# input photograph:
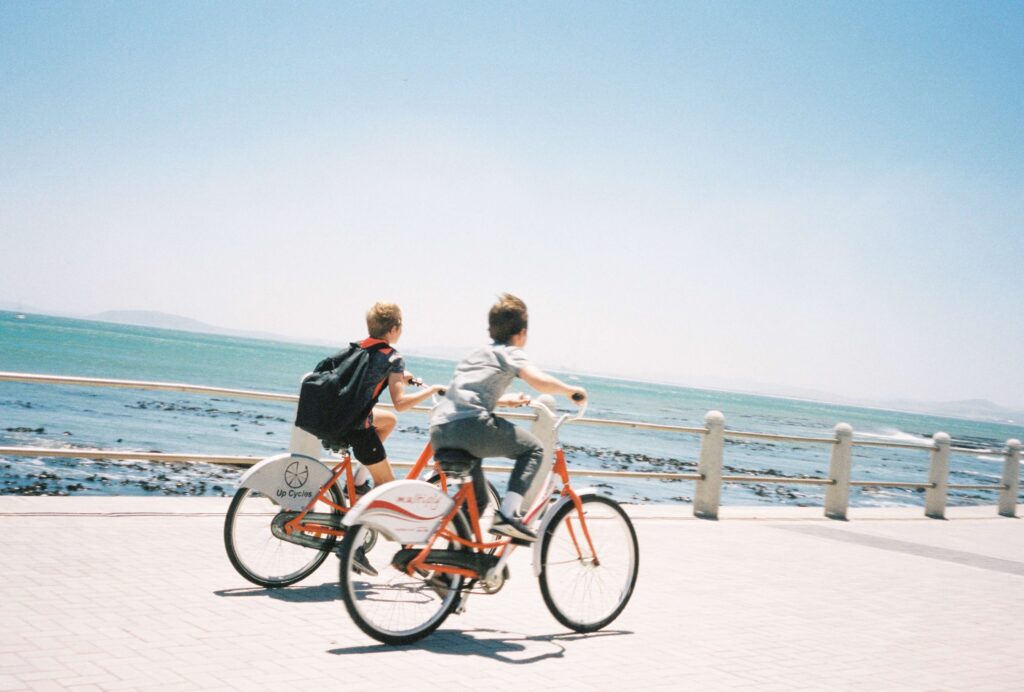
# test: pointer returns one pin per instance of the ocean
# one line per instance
(91, 417)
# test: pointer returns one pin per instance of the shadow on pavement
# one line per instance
(320, 593)
(506, 647)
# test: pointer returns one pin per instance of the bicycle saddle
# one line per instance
(455, 462)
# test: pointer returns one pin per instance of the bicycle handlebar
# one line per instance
(417, 382)
(565, 417)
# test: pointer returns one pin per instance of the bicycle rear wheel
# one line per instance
(394, 607)
(586, 589)
(257, 554)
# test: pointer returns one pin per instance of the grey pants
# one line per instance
(493, 437)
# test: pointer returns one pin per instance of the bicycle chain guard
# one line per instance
(301, 537)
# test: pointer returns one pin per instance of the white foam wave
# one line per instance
(894, 435)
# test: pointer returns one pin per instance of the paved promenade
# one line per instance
(137, 593)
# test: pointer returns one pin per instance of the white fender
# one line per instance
(404, 511)
(290, 480)
(546, 521)
(305, 444)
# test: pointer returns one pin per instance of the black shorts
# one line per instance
(366, 446)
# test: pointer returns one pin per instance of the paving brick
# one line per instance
(889, 600)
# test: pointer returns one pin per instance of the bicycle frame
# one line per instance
(543, 506)
(317, 525)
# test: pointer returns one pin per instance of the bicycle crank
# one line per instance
(493, 581)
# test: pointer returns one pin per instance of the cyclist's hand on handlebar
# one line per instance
(515, 400)
(578, 396)
(438, 389)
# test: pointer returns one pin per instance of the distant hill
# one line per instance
(162, 320)
(977, 409)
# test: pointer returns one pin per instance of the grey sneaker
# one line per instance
(513, 527)
(361, 565)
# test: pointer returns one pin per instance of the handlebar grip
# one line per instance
(578, 397)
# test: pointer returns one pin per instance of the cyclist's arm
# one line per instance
(546, 384)
(403, 401)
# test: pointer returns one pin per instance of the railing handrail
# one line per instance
(711, 452)
(249, 460)
(638, 425)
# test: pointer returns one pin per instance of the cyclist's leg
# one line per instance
(385, 422)
(456, 435)
(369, 451)
(526, 449)
(479, 486)
(527, 462)
(496, 437)
(368, 448)
(381, 472)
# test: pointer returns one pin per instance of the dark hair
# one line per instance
(507, 318)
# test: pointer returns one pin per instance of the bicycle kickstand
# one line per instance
(461, 608)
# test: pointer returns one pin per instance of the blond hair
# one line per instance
(507, 318)
(382, 318)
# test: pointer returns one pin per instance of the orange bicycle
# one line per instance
(286, 517)
(432, 554)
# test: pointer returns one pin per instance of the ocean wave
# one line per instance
(894, 435)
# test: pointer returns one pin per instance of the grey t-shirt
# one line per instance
(480, 380)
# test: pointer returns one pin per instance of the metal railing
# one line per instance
(708, 479)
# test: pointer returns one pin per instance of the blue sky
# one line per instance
(819, 196)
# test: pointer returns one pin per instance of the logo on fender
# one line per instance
(303, 494)
(296, 474)
(431, 501)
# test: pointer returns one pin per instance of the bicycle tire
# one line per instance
(394, 607)
(583, 594)
(257, 554)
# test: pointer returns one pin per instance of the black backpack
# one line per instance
(336, 397)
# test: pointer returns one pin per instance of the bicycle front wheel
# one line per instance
(257, 554)
(589, 562)
(393, 606)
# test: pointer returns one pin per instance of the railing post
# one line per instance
(938, 477)
(1011, 480)
(837, 495)
(709, 487)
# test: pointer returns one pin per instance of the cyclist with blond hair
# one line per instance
(386, 369)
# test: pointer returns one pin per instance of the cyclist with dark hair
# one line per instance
(464, 419)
